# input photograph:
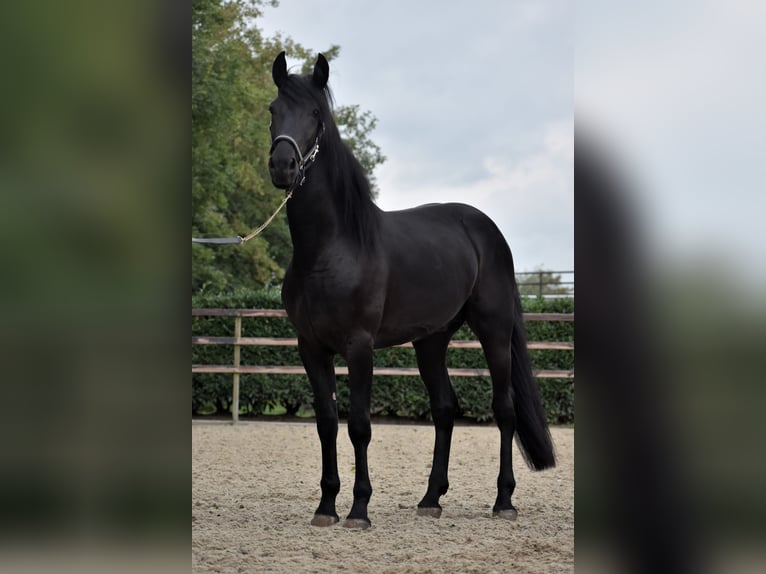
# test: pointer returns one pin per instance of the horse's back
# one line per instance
(466, 240)
(429, 236)
(448, 226)
(430, 211)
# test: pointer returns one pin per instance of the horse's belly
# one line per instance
(413, 318)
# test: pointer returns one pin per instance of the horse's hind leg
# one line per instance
(431, 354)
(494, 329)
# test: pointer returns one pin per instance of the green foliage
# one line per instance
(229, 146)
(231, 186)
(403, 396)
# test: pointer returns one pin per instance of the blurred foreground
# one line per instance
(671, 311)
(94, 187)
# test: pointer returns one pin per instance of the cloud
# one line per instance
(530, 197)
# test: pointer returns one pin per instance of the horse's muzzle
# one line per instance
(283, 168)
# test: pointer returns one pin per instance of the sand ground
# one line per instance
(255, 487)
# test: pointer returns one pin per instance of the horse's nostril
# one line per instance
(292, 162)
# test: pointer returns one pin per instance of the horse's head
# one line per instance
(297, 120)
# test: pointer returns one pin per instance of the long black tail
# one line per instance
(533, 436)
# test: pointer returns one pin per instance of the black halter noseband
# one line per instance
(304, 162)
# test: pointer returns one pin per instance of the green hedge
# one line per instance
(393, 396)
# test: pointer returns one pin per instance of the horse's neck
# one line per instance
(317, 225)
(313, 219)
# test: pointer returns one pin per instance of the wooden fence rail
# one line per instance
(239, 341)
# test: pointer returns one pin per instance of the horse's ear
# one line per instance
(321, 72)
(279, 69)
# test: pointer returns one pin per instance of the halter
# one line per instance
(304, 162)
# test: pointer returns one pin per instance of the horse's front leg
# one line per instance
(359, 359)
(321, 371)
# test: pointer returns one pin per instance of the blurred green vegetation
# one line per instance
(94, 183)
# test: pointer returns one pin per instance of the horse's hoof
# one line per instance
(507, 514)
(324, 520)
(432, 511)
(356, 523)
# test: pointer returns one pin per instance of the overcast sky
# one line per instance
(678, 91)
(474, 104)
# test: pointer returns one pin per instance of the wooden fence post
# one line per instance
(235, 376)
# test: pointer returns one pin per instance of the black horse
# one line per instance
(361, 278)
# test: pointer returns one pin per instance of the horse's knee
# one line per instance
(326, 418)
(327, 429)
(359, 429)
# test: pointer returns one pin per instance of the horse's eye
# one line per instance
(316, 113)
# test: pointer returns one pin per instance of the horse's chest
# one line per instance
(322, 304)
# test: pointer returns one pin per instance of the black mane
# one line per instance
(350, 186)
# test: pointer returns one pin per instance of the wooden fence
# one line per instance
(238, 341)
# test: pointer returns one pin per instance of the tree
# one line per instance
(539, 282)
(231, 187)
(228, 145)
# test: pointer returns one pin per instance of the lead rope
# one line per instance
(246, 238)
(265, 224)
(305, 163)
